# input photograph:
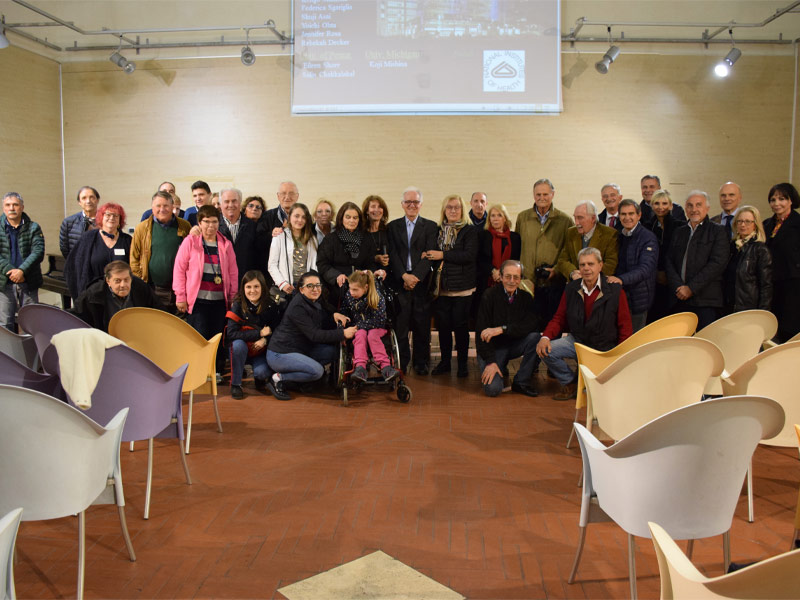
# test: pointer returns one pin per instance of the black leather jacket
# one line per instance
(752, 277)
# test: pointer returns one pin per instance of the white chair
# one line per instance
(60, 462)
(21, 348)
(683, 470)
(740, 336)
(8, 535)
(774, 578)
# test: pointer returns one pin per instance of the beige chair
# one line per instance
(770, 344)
(796, 536)
(678, 325)
(740, 336)
(649, 381)
(776, 577)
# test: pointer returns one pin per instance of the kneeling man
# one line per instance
(507, 327)
(595, 313)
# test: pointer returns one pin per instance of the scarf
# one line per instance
(448, 234)
(351, 240)
(501, 248)
(739, 242)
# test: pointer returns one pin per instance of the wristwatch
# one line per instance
(504, 327)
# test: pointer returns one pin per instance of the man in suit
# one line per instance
(587, 232)
(409, 237)
(730, 198)
(275, 219)
(650, 185)
(241, 231)
(611, 196)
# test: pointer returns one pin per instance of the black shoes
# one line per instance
(441, 368)
(421, 369)
(261, 385)
(462, 371)
(277, 390)
(525, 390)
(236, 392)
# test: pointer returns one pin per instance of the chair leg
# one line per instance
(726, 550)
(216, 414)
(795, 539)
(126, 536)
(148, 487)
(580, 479)
(185, 464)
(750, 516)
(132, 445)
(689, 548)
(81, 551)
(632, 564)
(572, 429)
(577, 556)
(189, 422)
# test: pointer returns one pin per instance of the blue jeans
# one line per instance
(12, 297)
(560, 349)
(239, 359)
(294, 366)
(524, 347)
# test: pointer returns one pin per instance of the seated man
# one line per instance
(594, 312)
(507, 328)
(105, 298)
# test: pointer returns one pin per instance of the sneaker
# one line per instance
(389, 373)
(276, 389)
(567, 392)
(236, 392)
(359, 375)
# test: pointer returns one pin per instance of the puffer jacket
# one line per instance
(459, 264)
(637, 266)
(31, 248)
(753, 283)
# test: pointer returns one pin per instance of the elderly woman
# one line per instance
(347, 249)
(205, 278)
(96, 248)
(376, 216)
(663, 226)
(294, 251)
(747, 281)
(307, 338)
(458, 253)
(323, 216)
(254, 207)
(782, 231)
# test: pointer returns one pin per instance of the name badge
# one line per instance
(119, 251)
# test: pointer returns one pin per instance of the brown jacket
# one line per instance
(604, 239)
(142, 241)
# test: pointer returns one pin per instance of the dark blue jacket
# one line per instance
(72, 228)
(637, 267)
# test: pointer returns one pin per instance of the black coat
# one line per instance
(78, 267)
(601, 218)
(91, 305)
(459, 265)
(485, 262)
(304, 325)
(664, 236)
(423, 239)
(749, 276)
(519, 317)
(784, 247)
(333, 259)
(246, 247)
(235, 330)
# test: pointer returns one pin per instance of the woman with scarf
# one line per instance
(458, 253)
(346, 249)
(497, 244)
(747, 281)
(782, 231)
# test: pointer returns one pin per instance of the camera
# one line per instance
(541, 271)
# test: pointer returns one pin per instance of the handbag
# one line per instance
(251, 351)
(436, 282)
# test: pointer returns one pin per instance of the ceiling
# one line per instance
(225, 25)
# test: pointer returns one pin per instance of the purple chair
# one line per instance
(130, 380)
(43, 321)
(13, 372)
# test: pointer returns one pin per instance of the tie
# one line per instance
(612, 221)
(584, 242)
(511, 299)
(728, 219)
(410, 231)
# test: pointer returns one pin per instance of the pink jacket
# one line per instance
(188, 269)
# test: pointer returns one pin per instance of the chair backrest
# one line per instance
(169, 342)
(43, 321)
(775, 577)
(740, 337)
(649, 381)
(130, 380)
(58, 459)
(683, 470)
(19, 347)
(775, 373)
(13, 372)
(9, 525)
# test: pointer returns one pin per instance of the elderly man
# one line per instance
(119, 289)
(638, 263)
(477, 212)
(409, 237)
(167, 186)
(696, 260)
(74, 226)
(543, 230)
(201, 195)
(507, 327)
(595, 313)
(650, 184)
(155, 245)
(587, 232)
(611, 196)
(730, 198)
(275, 219)
(21, 254)
(242, 232)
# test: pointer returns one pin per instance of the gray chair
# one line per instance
(19, 347)
(8, 535)
(15, 373)
(43, 322)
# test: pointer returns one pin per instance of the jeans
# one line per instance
(524, 347)
(294, 366)
(371, 338)
(239, 359)
(561, 349)
(12, 296)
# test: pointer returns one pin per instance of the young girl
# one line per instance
(366, 308)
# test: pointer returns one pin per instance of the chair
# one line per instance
(796, 536)
(43, 322)
(683, 470)
(14, 373)
(170, 342)
(739, 336)
(677, 325)
(773, 373)
(648, 382)
(131, 380)
(8, 535)
(776, 577)
(21, 348)
(60, 462)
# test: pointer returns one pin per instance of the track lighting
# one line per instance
(724, 67)
(122, 62)
(609, 57)
(248, 56)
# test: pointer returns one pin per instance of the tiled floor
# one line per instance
(479, 494)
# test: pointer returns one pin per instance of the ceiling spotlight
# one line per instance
(724, 67)
(248, 56)
(122, 62)
(609, 57)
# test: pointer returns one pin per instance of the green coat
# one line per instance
(31, 248)
(604, 239)
(541, 244)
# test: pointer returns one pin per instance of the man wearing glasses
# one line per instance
(275, 219)
(409, 237)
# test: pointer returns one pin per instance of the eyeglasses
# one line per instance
(745, 222)
(313, 286)
(412, 202)
(111, 216)
(255, 207)
(288, 195)
(458, 207)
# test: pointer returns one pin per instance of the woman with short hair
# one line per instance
(323, 216)
(747, 281)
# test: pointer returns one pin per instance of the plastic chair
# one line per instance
(740, 336)
(43, 322)
(60, 462)
(21, 348)
(13, 372)
(683, 470)
(773, 373)
(677, 325)
(776, 577)
(649, 381)
(796, 536)
(8, 535)
(131, 380)
(170, 342)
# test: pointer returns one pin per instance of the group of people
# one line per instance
(287, 284)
